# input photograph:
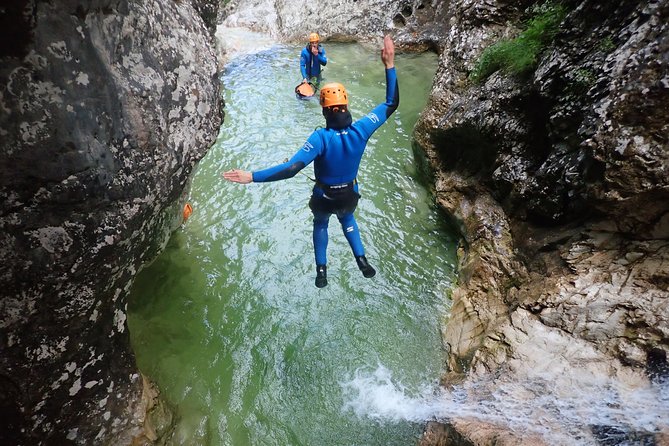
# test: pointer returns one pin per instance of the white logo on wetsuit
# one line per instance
(350, 229)
(307, 146)
(373, 117)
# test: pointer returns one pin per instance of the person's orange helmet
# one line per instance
(333, 94)
(313, 37)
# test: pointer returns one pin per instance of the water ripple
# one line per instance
(228, 320)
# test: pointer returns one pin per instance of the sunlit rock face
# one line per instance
(105, 107)
(338, 19)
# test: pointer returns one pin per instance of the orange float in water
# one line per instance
(188, 209)
(304, 90)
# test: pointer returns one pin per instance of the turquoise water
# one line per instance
(227, 320)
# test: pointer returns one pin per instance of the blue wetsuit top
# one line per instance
(310, 65)
(337, 153)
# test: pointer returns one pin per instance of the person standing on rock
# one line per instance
(336, 152)
(311, 59)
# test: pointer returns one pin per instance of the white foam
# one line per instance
(376, 396)
(533, 407)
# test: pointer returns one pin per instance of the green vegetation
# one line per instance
(520, 55)
(607, 45)
(582, 79)
(585, 77)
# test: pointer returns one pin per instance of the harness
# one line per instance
(337, 191)
(336, 187)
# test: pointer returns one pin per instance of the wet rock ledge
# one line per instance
(105, 107)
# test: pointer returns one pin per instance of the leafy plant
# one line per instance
(606, 44)
(519, 55)
(584, 77)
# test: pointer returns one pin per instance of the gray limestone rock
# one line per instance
(105, 107)
(571, 163)
(557, 181)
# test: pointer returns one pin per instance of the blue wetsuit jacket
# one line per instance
(336, 153)
(310, 65)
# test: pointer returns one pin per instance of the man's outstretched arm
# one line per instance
(283, 171)
(370, 123)
(392, 88)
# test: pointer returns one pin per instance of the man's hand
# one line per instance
(314, 50)
(388, 52)
(238, 176)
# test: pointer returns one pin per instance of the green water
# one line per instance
(227, 320)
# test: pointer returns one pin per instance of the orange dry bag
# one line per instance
(188, 209)
(304, 90)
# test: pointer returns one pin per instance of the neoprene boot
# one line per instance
(365, 267)
(321, 276)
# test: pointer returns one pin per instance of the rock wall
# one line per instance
(559, 184)
(105, 107)
(333, 20)
(557, 180)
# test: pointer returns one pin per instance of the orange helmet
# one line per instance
(313, 37)
(333, 94)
